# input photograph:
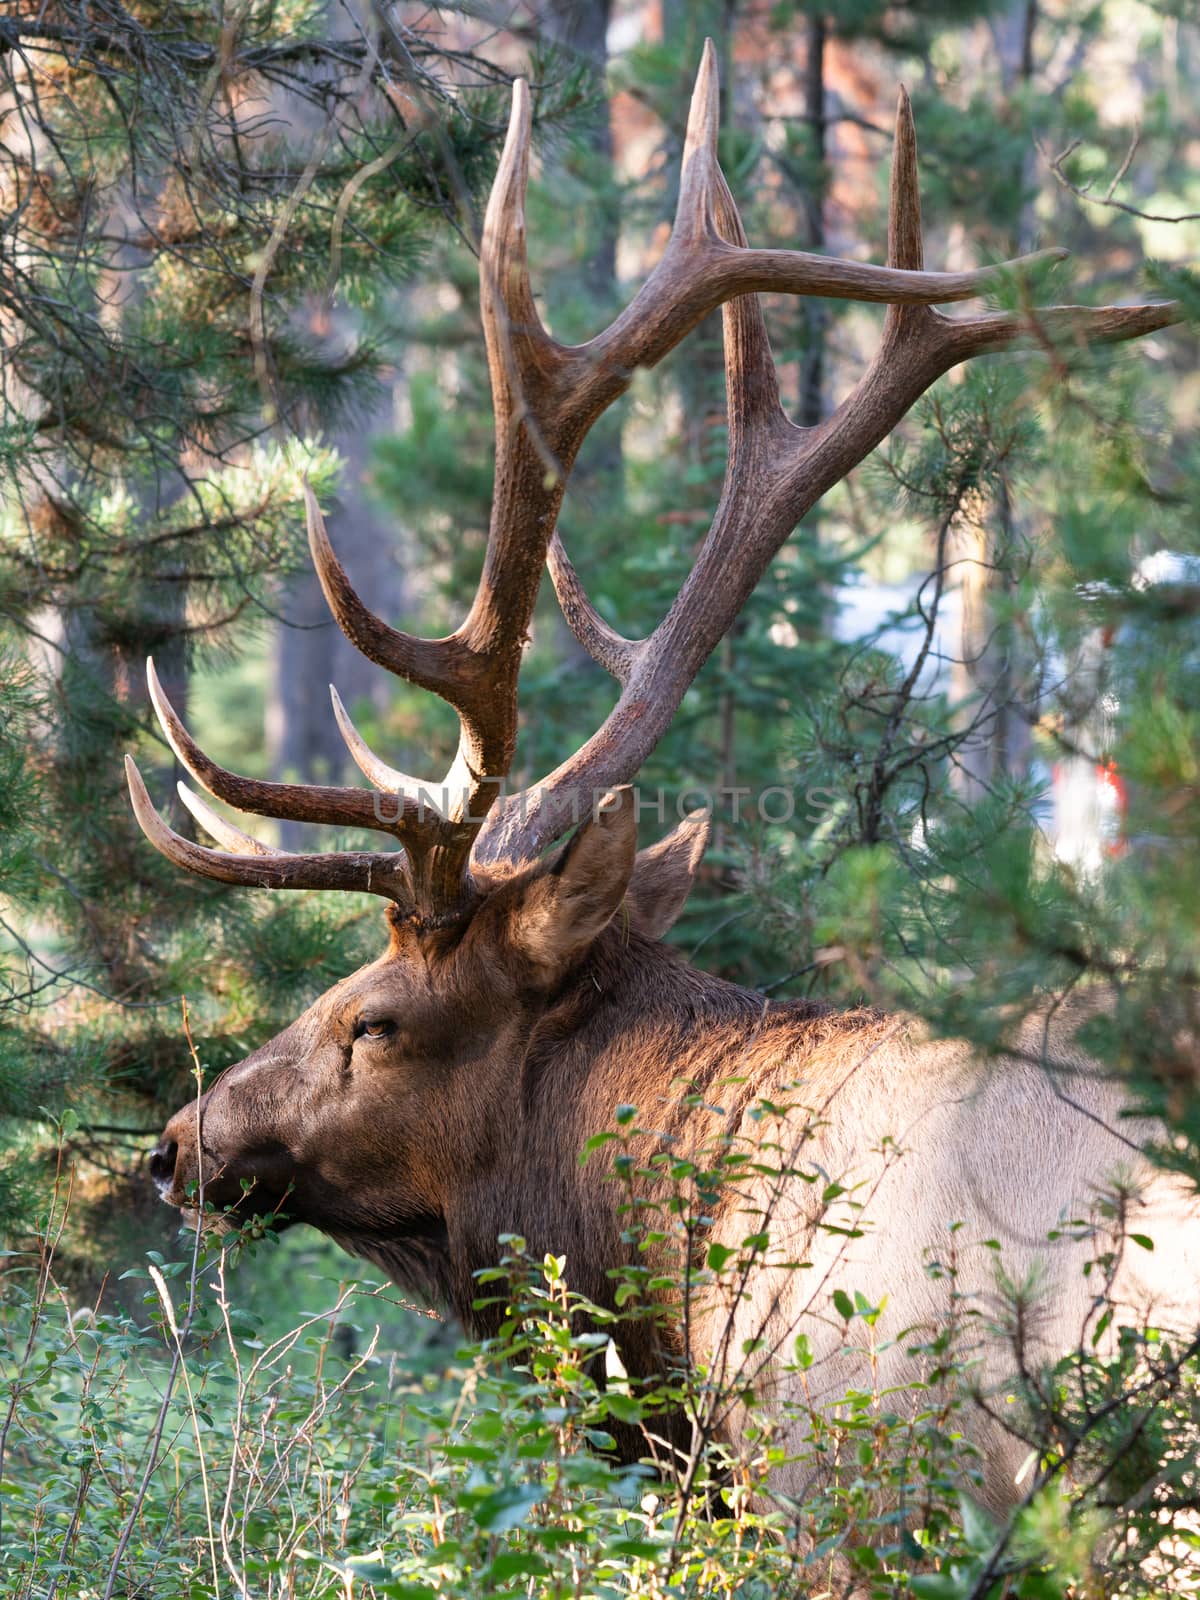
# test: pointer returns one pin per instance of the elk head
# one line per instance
(361, 1115)
(391, 1086)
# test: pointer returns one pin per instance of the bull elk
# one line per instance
(440, 1096)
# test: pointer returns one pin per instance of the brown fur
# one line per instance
(516, 1033)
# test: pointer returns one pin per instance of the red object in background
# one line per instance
(1111, 781)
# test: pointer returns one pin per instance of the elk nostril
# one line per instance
(162, 1164)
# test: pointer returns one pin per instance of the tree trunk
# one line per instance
(814, 311)
(990, 668)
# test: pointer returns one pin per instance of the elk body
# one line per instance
(440, 1096)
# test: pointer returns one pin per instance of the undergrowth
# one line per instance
(194, 1451)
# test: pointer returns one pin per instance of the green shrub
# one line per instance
(196, 1451)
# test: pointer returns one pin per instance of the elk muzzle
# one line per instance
(193, 1171)
(162, 1166)
(176, 1165)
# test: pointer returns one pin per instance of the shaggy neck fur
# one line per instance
(633, 1025)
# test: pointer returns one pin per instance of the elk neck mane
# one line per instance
(634, 1024)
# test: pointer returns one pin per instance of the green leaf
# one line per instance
(1039, 1586)
(371, 1568)
(639, 1549)
(869, 1313)
(979, 1530)
(624, 1407)
(506, 1507)
(517, 1564)
(844, 1304)
(940, 1586)
(557, 1538)
(596, 1142)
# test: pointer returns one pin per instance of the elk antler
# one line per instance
(546, 396)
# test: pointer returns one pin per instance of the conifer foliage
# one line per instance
(209, 210)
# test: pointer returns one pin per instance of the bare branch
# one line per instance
(1055, 163)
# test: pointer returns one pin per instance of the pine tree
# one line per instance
(194, 199)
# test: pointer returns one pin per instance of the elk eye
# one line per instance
(374, 1028)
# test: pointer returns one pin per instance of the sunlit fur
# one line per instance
(517, 1033)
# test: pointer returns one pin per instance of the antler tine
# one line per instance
(700, 271)
(706, 207)
(481, 686)
(440, 665)
(694, 215)
(369, 872)
(906, 248)
(383, 776)
(752, 386)
(775, 472)
(295, 802)
(605, 645)
(752, 403)
(545, 398)
(476, 668)
(964, 337)
(655, 672)
(221, 829)
(509, 311)
(531, 466)
(1050, 328)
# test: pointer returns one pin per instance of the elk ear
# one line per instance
(663, 876)
(565, 907)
